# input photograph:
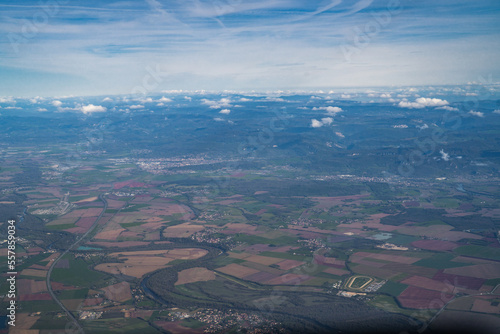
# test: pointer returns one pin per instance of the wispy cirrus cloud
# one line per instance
(105, 47)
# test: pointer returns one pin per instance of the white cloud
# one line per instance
(345, 96)
(6, 99)
(222, 103)
(41, 109)
(136, 106)
(476, 113)
(224, 111)
(423, 127)
(107, 99)
(324, 121)
(340, 134)
(275, 99)
(385, 96)
(225, 102)
(316, 124)
(218, 119)
(244, 99)
(187, 98)
(445, 156)
(35, 99)
(90, 108)
(448, 108)
(496, 111)
(56, 103)
(164, 99)
(331, 111)
(423, 102)
(327, 120)
(145, 100)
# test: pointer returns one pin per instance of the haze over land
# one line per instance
(187, 210)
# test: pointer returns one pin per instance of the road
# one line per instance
(77, 327)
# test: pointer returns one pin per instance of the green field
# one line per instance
(192, 323)
(223, 261)
(401, 239)
(440, 261)
(389, 304)
(72, 294)
(286, 256)
(79, 273)
(392, 288)
(32, 260)
(40, 305)
(493, 282)
(446, 202)
(51, 322)
(479, 251)
(135, 207)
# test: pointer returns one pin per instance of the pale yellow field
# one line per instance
(192, 275)
(139, 263)
(265, 260)
(182, 230)
(109, 235)
(90, 199)
(34, 272)
(23, 323)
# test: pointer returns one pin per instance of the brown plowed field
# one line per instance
(289, 264)
(237, 270)
(418, 298)
(487, 271)
(119, 292)
(436, 245)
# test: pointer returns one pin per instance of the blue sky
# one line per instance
(60, 47)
